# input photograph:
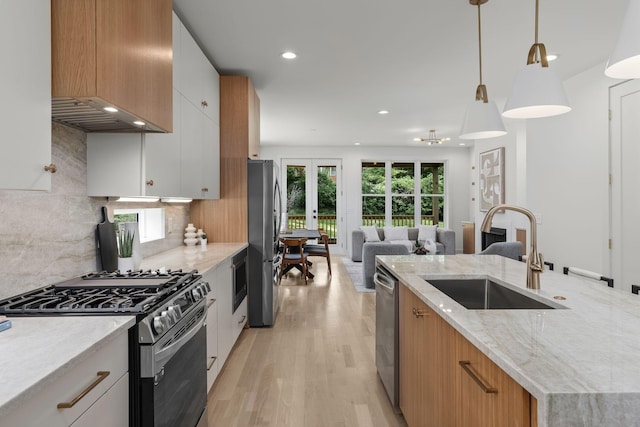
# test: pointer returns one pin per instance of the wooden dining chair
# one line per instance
(294, 255)
(321, 249)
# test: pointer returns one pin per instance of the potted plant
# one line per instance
(125, 250)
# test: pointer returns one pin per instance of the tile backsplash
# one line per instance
(50, 236)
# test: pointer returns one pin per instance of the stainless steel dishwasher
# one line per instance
(387, 333)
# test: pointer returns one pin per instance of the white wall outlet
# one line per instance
(538, 218)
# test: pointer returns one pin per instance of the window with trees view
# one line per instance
(402, 193)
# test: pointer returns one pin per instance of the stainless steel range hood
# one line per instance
(89, 115)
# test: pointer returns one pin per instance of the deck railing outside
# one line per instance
(399, 220)
(325, 222)
(328, 222)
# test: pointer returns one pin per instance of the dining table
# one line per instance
(300, 233)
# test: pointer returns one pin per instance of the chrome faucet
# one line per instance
(535, 262)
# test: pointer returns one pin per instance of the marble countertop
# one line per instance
(36, 351)
(581, 363)
(193, 257)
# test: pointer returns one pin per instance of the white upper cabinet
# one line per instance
(199, 82)
(25, 90)
(162, 157)
(114, 164)
(185, 163)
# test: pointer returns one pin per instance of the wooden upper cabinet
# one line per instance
(226, 220)
(112, 53)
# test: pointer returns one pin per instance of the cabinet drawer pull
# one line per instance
(205, 189)
(242, 319)
(150, 183)
(466, 365)
(211, 362)
(204, 104)
(210, 303)
(419, 313)
(101, 376)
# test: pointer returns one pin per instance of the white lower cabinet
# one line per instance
(213, 360)
(112, 409)
(94, 393)
(225, 310)
(223, 324)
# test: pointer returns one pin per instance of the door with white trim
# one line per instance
(624, 103)
(313, 197)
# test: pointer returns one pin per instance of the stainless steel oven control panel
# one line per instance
(157, 323)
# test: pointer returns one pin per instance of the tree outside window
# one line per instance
(414, 193)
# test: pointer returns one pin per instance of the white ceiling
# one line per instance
(417, 59)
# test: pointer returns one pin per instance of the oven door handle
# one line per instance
(162, 356)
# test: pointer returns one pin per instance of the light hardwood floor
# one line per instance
(315, 367)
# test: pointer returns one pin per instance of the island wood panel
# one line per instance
(119, 51)
(533, 402)
(509, 406)
(226, 219)
(442, 361)
(413, 346)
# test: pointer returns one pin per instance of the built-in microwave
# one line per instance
(239, 265)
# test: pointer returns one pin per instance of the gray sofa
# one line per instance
(367, 251)
(445, 241)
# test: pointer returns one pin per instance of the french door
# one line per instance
(624, 103)
(313, 197)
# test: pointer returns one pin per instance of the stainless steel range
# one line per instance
(167, 346)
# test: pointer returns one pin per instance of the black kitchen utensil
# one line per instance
(107, 243)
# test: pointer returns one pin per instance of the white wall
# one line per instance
(567, 176)
(457, 175)
(514, 143)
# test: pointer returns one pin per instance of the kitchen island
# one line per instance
(579, 361)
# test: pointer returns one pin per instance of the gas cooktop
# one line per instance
(104, 293)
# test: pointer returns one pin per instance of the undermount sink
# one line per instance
(485, 294)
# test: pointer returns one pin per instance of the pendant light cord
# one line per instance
(479, 43)
(536, 34)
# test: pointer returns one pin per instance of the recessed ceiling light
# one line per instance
(356, 143)
(110, 109)
(289, 55)
(418, 139)
(139, 123)
(552, 57)
(383, 112)
(462, 144)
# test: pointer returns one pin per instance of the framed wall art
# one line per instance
(491, 178)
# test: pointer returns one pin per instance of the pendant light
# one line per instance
(537, 91)
(482, 119)
(624, 62)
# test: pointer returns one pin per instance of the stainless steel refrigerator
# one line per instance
(263, 258)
